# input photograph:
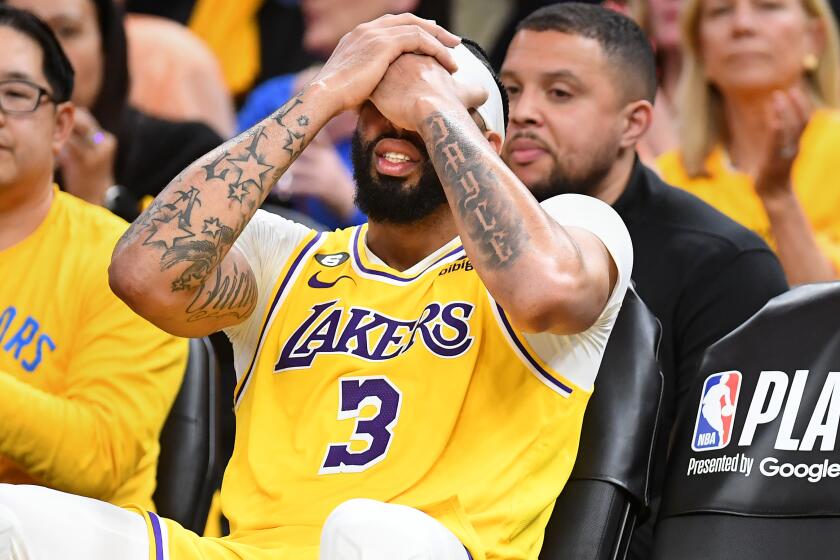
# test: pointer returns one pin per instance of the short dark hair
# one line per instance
(56, 67)
(476, 49)
(621, 39)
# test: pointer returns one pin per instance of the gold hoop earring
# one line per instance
(810, 62)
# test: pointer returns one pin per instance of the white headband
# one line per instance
(472, 71)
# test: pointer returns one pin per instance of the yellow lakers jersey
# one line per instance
(405, 387)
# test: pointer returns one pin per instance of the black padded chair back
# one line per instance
(188, 469)
(594, 516)
(754, 470)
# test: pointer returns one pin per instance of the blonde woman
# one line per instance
(759, 133)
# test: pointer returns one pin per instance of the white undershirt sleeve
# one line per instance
(266, 242)
(577, 357)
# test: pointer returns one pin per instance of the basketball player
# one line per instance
(411, 388)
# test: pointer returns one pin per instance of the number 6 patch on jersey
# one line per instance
(376, 432)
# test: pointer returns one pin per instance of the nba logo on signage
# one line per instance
(716, 412)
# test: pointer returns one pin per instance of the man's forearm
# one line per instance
(521, 254)
(177, 244)
(485, 212)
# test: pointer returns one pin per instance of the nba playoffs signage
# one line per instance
(771, 400)
(760, 443)
(758, 431)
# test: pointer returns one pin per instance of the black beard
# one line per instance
(389, 199)
(560, 182)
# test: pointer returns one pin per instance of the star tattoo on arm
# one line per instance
(212, 227)
(251, 170)
(168, 231)
(237, 191)
(294, 142)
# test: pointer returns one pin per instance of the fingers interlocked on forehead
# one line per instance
(391, 20)
(407, 33)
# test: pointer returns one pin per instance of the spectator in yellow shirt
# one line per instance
(759, 135)
(86, 384)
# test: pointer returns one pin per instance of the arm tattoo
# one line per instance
(238, 173)
(210, 171)
(495, 228)
(252, 168)
(294, 140)
(234, 294)
(281, 113)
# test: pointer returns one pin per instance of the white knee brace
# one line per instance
(362, 529)
(11, 538)
(56, 525)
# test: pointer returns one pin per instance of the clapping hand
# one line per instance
(788, 113)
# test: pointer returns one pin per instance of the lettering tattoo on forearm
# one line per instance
(183, 234)
(491, 223)
(234, 294)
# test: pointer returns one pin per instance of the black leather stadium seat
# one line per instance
(188, 469)
(594, 516)
(754, 470)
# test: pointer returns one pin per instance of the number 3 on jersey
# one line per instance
(355, 393)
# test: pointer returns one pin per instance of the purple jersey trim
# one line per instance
(541, 370)
(155, 522)
(277, 296)
(357, 259)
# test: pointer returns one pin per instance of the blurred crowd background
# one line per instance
(167, 81)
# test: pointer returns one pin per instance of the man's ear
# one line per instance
(495, 140)
(64, 116)
(636, 119)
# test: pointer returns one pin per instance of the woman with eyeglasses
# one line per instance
(116, 155)
(759, 129)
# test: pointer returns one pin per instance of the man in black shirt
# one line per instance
(581, 81)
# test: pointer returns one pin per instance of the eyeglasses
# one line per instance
(21, 96)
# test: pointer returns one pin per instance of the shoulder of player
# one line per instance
(598, 218)
(266, 233)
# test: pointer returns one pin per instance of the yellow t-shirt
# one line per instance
(814, 178)
(86, 383)
(408, 387)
